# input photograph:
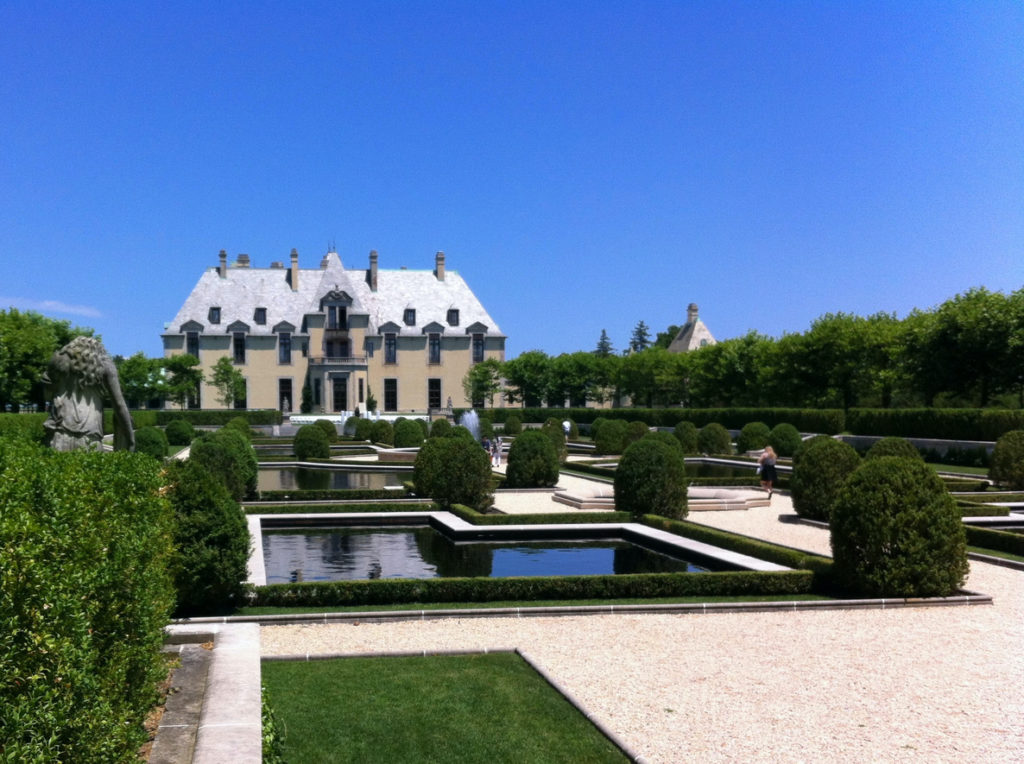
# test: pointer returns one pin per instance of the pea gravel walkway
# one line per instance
(927, 685)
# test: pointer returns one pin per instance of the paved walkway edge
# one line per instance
(230, 727)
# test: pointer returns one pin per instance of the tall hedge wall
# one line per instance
(85, 547)
(944, 424)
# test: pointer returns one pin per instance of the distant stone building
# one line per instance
(694, 334)
(409, 336)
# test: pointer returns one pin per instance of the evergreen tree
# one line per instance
(641, 338)
(604, 346)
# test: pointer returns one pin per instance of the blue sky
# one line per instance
(584, 165)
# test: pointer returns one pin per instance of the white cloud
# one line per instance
(50, 306)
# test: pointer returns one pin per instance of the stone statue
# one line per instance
(78, 378)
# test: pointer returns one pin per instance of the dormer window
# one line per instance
(453, 316)
(260, 316)
(410, 317)
(214, 316)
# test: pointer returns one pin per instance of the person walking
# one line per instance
(766, 466)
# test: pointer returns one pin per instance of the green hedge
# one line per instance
(1000, 541)
(85, 592)
(332, 494)
(22, 427)
(807, 420)
(300, 509)
(217, 417)
(643, 585)
(980, 509)
(946, 424)
(472, 516)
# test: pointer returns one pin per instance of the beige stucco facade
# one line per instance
(408, 337)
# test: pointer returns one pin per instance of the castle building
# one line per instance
(407, 337)
(693, 335)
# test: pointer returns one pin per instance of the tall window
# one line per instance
(434, 393)
(391, 394)
(243, 401)
(214, 315)
(238, 344)
(410, 317)
(390, 348)
(360, 389)
(285, 399)
(192, 343)
(260, 316)
(337, 317)
(453, 316)
(284, 348)
(434, 342)
(478, 348)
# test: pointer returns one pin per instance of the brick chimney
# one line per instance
(243, 261)
(222, 269)
(293, 272)
(371, 275)
(691, 313)
(439, 266)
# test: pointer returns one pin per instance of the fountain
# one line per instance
(471, 421)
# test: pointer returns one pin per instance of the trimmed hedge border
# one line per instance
(396, 590)
(1000, 541)
(313, 509)
(339, 494)
(470, 515)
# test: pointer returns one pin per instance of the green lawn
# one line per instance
(475, 708)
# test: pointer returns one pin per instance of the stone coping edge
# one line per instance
(697, 608)
(543, 674)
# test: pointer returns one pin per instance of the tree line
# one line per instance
(967, 352)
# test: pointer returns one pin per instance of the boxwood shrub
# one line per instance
(85, 593)
(329, 428)
(651, 479)
(819, 470)
(152, 441)
(896, 532)
(453, 470)
(610, 436)
(229, 456)
(999, 541)
(785, 439)
(532, 461)
(513, 425)
(311, 442)
(753, 437)
(713, 438)
(408, 433)
(686, 434)
(179, 432)
(893, 446)
(1008, 460)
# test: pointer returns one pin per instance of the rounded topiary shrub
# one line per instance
(896, 532)
(230, 456)
(408, 433)
(553, 429)
(713, 438)
(818, 472)
(686, 433)
(212, 541)
(152, 441)
(635, 431)
(424, 426)
(240, 425)
(1007, 467)
(667, 438)
(611, 437)
(596, 425)
(439, 428)
(179, 432)
(453, 471)
(785, 439)
(461, 433)
(893, 446)
(329, 428)
(383, 432)
(651, 480)
(513, 425)
(532, 462)
(311, 442)
(364, 429)
(753, 437)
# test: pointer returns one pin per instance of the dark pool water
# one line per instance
(346, 554)
(313, 479)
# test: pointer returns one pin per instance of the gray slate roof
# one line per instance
(242, 290)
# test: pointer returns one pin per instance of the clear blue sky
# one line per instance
(584, 165)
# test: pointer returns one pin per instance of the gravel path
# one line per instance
(927, 685)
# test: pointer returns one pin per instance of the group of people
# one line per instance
(493, 448)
